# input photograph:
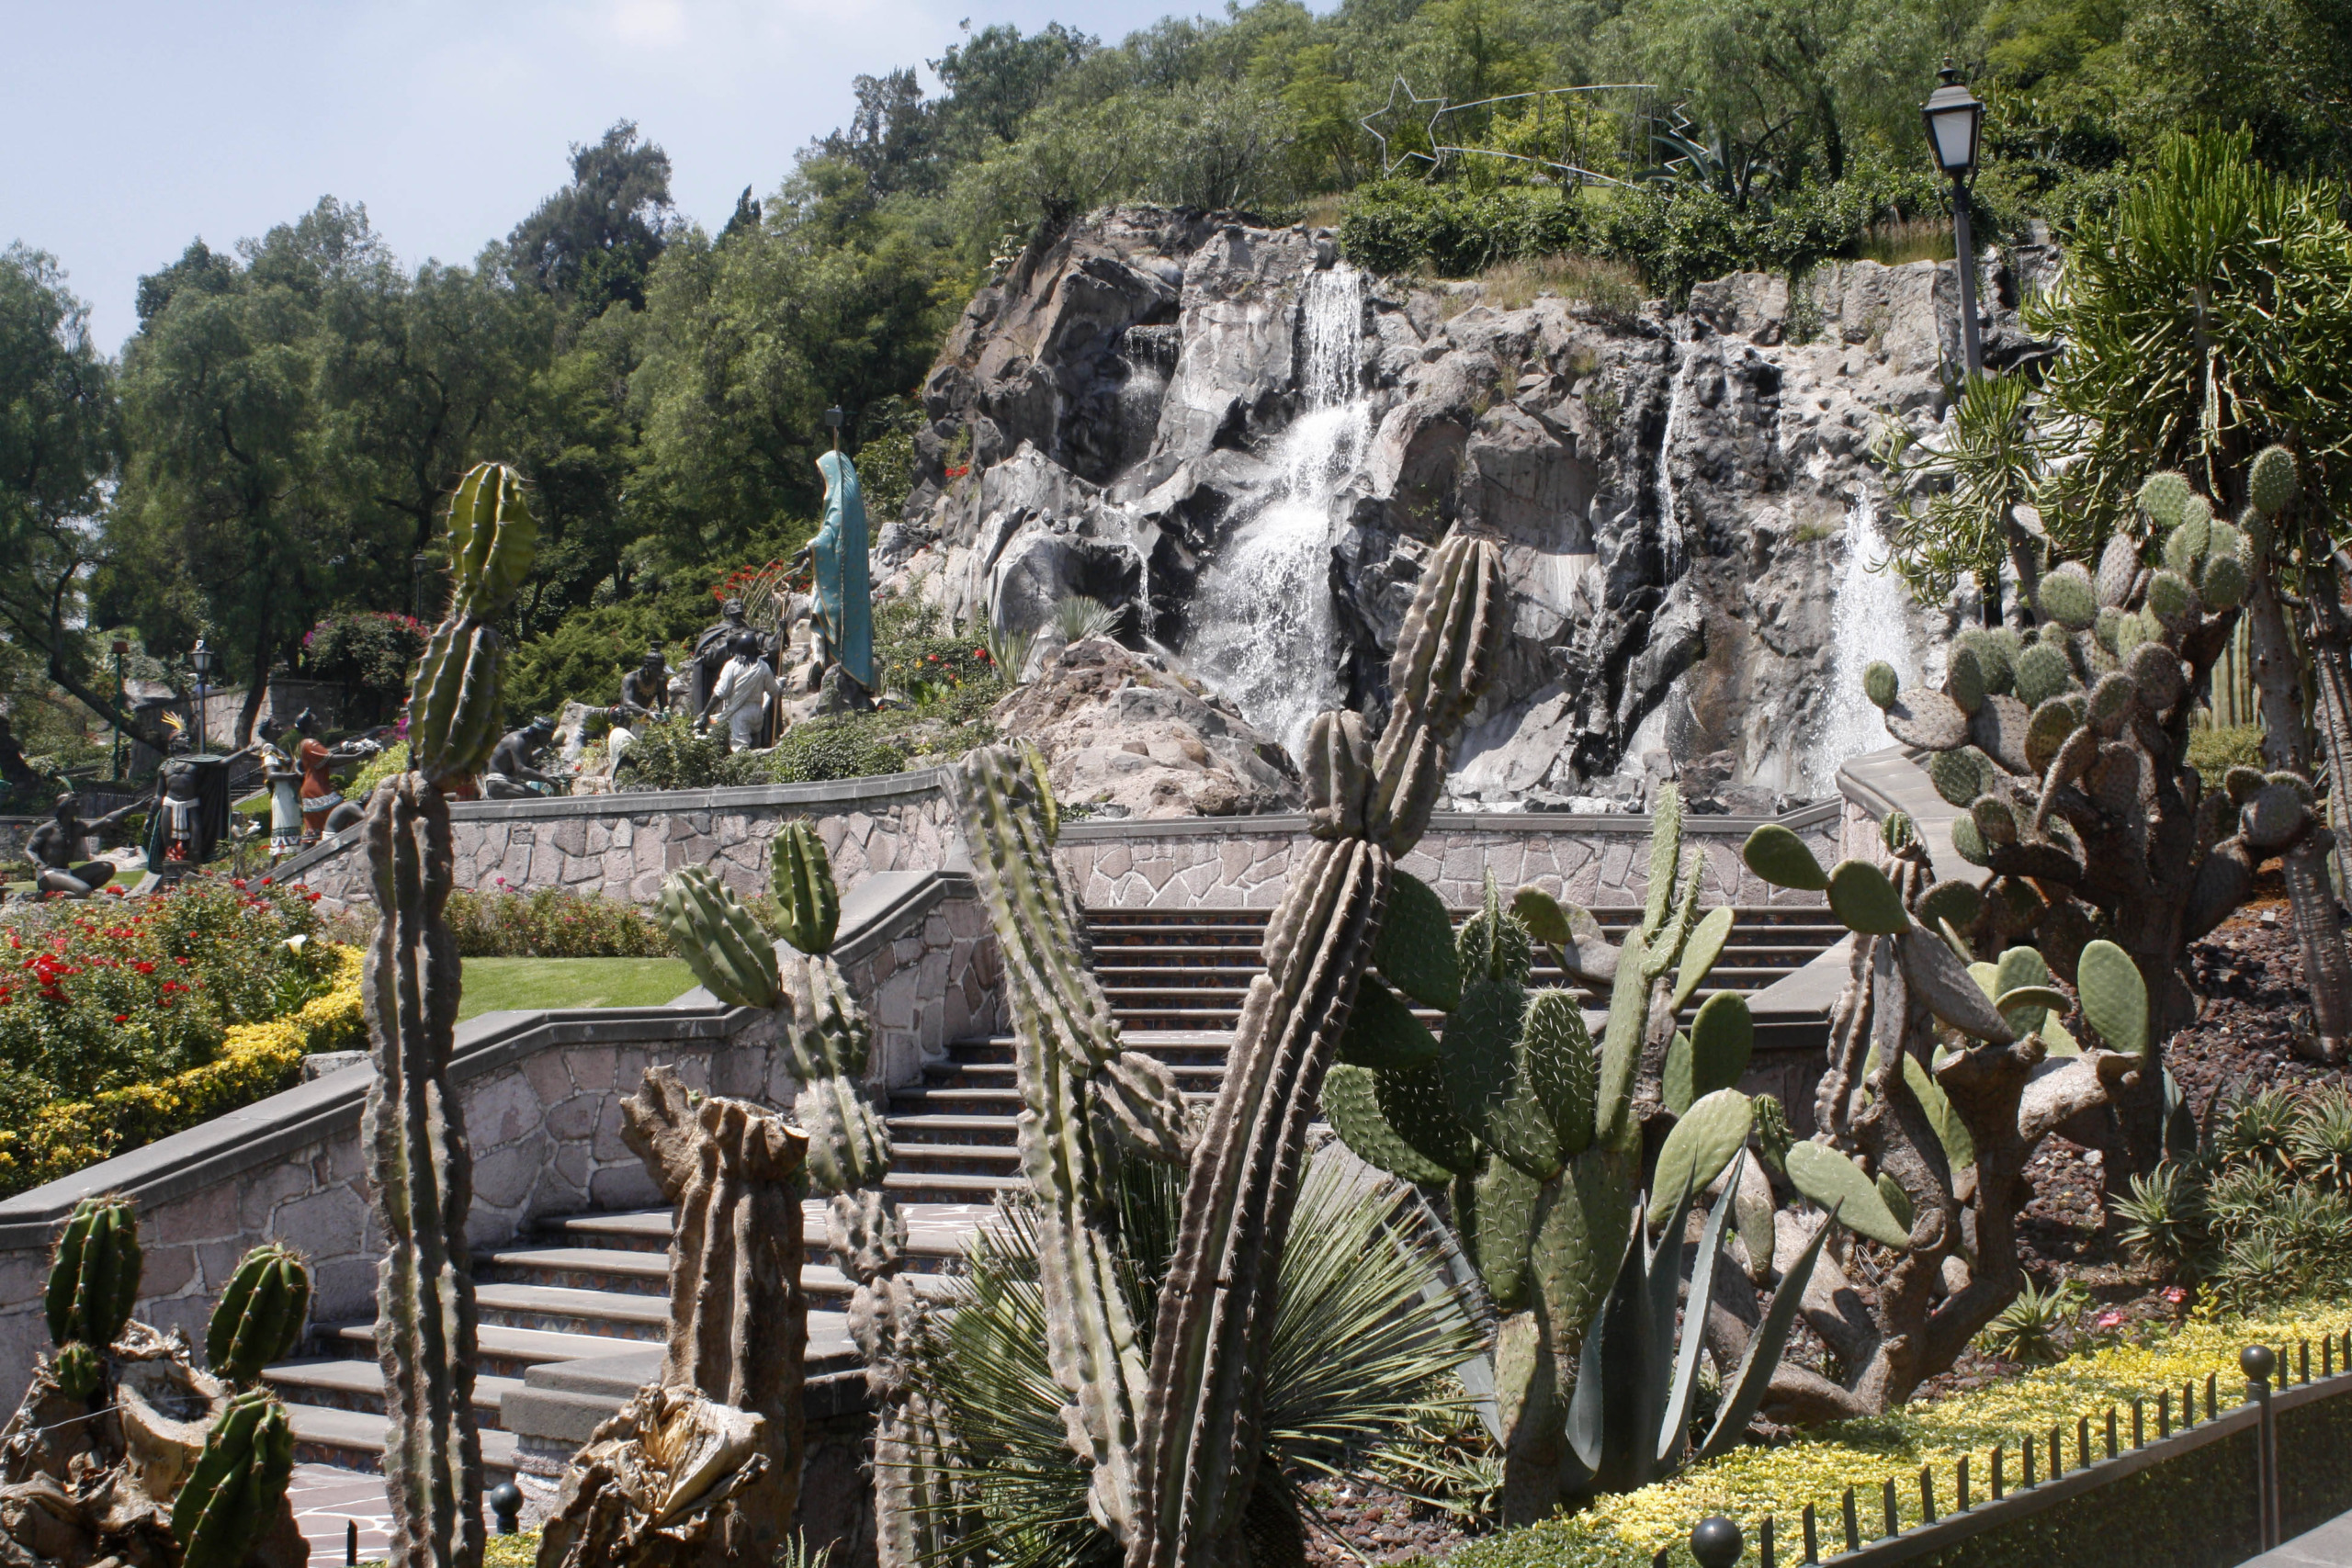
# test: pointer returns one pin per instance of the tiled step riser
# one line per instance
(365, 1403)
(370, 1461)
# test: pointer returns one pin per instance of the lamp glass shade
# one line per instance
(1954, 116)
(199, 660)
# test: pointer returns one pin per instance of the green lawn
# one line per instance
(493, 983)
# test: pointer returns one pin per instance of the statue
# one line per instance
(319, 796)
(514, 764)
(54, 845)
(745, 695)
(645, 690)
(285, 784)
(712, 649)
(843, 613)
(191, 813)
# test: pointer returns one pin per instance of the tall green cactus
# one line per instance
(259, 1317)
(2066, 753)
(420, 1166)
(237, 1490)
(1367, 805)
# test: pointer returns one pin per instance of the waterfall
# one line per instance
(1669, 520)
(1264, 629)
(1870, 620)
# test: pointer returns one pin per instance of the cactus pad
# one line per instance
(802, 875)
(1898, 832)
(1485, 1077)
(1350, 1100)
(1383, 1033)
(1701, 1142)
(1960, 776)
(1998, 730)
(1926, 720)
(2224, 583)
(1542, 916)
(1415, 949)
(1722, 1038)
(2019, 968)
(1970, 842)
(1417, 1105)
(2110, 703)
(1829, 1180)
(2114, 997)
(1861, 898)
(2162, 497)
(2156, 676)
(1939, 978)
(1562, 1067)
(1960, 902)
(2118, 568)
(1964, 680)
(1699, 953)
(2170, 598)
(2271, 485)
(2068, 597)
(1995, 653)
(2274, 818)
(1781, 858)
(260, 1315)
(2043, 674)
(1881, 684)
(1505, 1232)
(1898, 1200)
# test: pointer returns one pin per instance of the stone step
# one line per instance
(949, 1187)
(935, 1232)
(352, 1440)
(611, 1314)
(351, 1385)
(967, 1159)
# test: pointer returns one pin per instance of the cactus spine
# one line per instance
(237, 1489)
(419, 1164)
(94, 1279)
(260, 1315)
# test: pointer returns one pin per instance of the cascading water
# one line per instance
(1670, 521)
(1870, 620)
(1264, 629)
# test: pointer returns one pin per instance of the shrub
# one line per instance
(2214, 750)
(98, 994)
(553, 922)
(668, 754)
(59, 1136)
(844, 746)
(384, 765)
(371, 652)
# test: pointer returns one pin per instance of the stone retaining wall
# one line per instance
(1243, 863)
(622, 845)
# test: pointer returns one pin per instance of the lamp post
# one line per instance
(836, 418)
(419, 565)
(1954, 118)
(200, 659)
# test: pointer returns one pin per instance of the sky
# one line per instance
(142, 126)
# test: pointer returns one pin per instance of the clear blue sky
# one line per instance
(139, 126)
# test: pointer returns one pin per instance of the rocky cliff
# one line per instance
(1251, 448)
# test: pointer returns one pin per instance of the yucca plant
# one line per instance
(1009, 651)
(2163, 1218)
(2030, 1327)
(1078, 617)
(1357, 1350)
(2323, 1140)
(2261, 1129)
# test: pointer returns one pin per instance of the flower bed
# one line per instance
(1630, 1530)
(122, 1021)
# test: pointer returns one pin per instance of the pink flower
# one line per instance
(2110, 1320)
(2176, 1295)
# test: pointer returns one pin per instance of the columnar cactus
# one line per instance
(238, 1488)
(94, 1279)
(260, 1315)
(420, 1166)
(2065, 751)
(1079, 1088)
(1922, 1146)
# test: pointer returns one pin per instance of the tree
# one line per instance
(236, 504)
(58, 436)
(595, 240)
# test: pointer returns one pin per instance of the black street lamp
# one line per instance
(1955, 117)
(121, 649)
(418, 566)
(200, 659)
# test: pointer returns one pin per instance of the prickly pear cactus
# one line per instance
(2068, 771)
(260, 1315)
(420, 1166)
(238, 1488)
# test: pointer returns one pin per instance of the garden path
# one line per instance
(2330, 1546)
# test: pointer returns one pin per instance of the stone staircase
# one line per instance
(572, 1317)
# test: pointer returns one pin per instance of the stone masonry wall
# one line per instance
(622, 845)
(1598, 862)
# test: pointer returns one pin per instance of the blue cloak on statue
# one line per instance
(844, 594)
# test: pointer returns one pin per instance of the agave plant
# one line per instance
(1078, 617)
(1352, 1369)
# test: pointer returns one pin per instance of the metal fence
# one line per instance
(2220, 1487)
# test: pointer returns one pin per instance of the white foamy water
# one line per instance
(1264, 631)
(1670, 521)
(1870, 620)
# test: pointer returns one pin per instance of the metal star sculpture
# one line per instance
(1391, 113)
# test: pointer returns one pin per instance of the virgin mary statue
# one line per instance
(844, 609)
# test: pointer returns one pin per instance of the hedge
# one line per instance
(255, 1060)
(1631, 1529)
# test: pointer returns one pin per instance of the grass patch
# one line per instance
(1609, 286)
(1906, 239)
(494, 985)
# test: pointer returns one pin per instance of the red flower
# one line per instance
(115, 892)
(145, 967)
(122, 1018)
(982, 654)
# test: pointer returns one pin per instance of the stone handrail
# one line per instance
(541, 1095)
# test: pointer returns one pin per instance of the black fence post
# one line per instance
(1996, 1472)
(1927, 1495)
(1764, 1543)
(1893, 1510)
(1960, 1482)
(2258, 1364)
(1812, 1536)
(1853, 1524)
(2110, 1431)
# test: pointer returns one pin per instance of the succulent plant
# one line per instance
(94, 1279)
(260, 1315)
(420, 1167)
(716, 935)
(237, 1488)
(78, 1370)
(802, 874)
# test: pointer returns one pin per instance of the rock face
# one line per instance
(1119, 731)
(1249, 449)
